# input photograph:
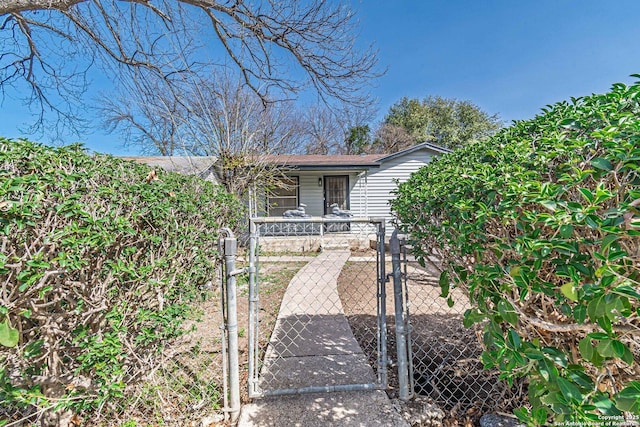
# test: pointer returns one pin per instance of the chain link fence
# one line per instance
(445, 355)
(310, 346)
(335, 307)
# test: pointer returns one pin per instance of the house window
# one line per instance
(283, 198)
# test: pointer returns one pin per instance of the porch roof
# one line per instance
(320, 162)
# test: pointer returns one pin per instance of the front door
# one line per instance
(336, 190)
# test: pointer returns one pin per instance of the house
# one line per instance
(361, 184)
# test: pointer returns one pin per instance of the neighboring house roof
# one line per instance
(196, 165)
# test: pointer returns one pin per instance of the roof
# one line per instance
(195, 165)
(424, 145)
(320, 161)
(201, 165)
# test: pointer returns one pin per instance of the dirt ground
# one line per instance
(446, 355)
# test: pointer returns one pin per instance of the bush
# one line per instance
(101, 259)
(540, 225)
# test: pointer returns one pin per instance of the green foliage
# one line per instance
(540, 226)
(357, 139)
(446, 122)
(101, 259)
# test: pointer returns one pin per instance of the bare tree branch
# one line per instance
(279, 47)
(218, 117)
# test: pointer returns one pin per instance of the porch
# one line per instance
(315, 234)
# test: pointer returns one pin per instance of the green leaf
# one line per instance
(598, 336)
(472, 316)
(444, 284)
(592, 221)
(605, 324)
(533, 353)
(514, 339)
(566, 231)
(607, 241)
(602, 164)
(33, 349)
(587, 194)
(548, 371)
(596, 308)
(629, 398)
(577, 375)
(507, 312)
(605, 348)
(586, 348)
(580, 313)
(569, 391)
(622, 351)
(523, 414)
(540, 415)
(549, 204)
(556, 355)
(604, 404)
(626, 290)
(569, 291)
(8, 335)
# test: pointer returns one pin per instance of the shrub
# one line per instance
(101, 259)
(540, 226)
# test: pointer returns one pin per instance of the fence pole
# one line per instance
(253, 312)
(230, 251)
(401, 333)
(383, 361)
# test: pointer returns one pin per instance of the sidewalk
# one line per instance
(312, 345)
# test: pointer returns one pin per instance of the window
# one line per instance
(283, 198)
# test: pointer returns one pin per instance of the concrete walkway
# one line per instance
(312, 345)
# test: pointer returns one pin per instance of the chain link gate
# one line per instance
(310, 346)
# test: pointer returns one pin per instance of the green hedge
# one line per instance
(540, 225)
(101, 259)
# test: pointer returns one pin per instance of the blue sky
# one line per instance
(510, 57)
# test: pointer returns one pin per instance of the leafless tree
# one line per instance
(279, 47)
(218, 117)
(390, 138)
(148, 114)
(322, 133)
(327, 127)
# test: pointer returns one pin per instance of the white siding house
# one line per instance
(363, 185)
(373, 190)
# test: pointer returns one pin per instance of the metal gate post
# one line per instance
(254, 322)
(383, 360)
(401, 332)
(230, 251)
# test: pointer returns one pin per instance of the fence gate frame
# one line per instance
(404, 349)
(254, 389)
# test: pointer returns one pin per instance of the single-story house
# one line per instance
(361, 184)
